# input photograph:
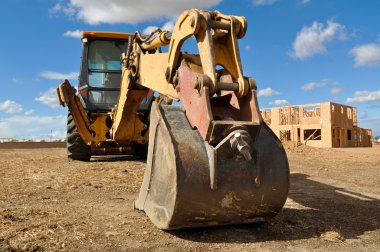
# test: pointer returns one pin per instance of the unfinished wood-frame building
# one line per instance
(324, 124)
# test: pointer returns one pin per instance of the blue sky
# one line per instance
(299, 51)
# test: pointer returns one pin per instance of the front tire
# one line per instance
(77, 149)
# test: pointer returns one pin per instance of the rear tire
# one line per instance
(77, 149)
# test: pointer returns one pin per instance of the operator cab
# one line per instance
(100, 76)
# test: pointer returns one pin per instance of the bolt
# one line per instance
(243, 147)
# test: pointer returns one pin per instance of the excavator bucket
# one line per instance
(189, 183)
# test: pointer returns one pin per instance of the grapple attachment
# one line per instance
(189, 183)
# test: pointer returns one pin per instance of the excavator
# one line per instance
(211, 160)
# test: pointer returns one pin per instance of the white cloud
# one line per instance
(67, 9)
(311, 85)
(336, 90)
(16, 81)
(10, 107)
(279, 103)
(247, 47)
(73, 34)
(304, 2)
(149, 29)
(366, 55)
(29, 112)
(264, 2)
(57, 134)
(52, 75)
(49, 98)
(33, 127)
(312, 40)
(127, 11)
(267, 92)
(55, 9)
(364, 96)
(168, 26)
(363, 115)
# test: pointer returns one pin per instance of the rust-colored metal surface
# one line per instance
(215, 117)
(196, 104)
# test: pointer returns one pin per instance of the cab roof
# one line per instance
(102, 34)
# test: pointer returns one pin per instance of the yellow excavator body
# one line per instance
(210, 158)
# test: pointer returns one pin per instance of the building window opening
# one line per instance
(285, 135)
(349, 113)
(312, 111)
(348, 134)
(312, 134)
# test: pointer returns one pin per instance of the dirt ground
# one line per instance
(50, 204)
